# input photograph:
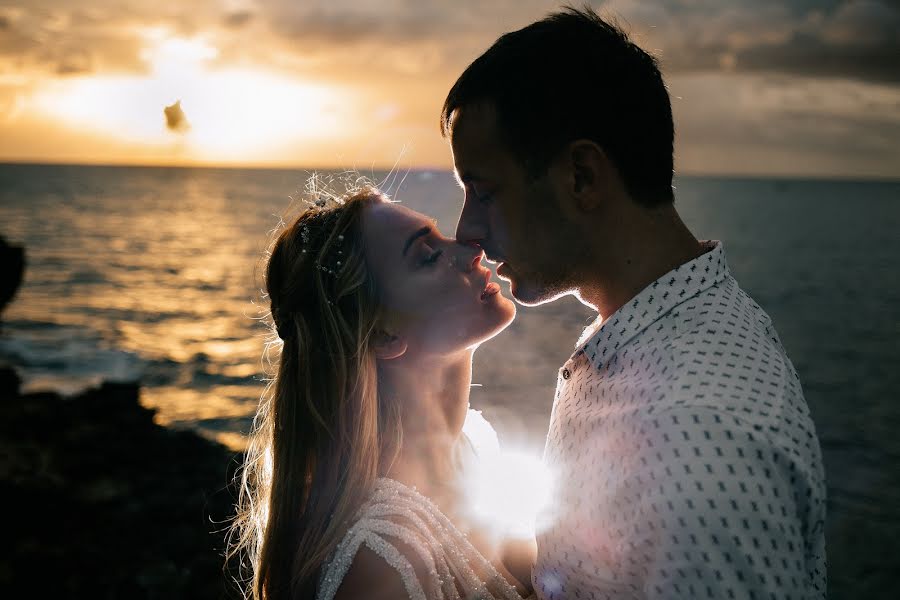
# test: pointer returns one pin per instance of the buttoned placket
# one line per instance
(575, 363)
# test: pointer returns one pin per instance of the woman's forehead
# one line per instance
(389, 221)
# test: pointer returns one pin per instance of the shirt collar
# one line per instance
(681, 283)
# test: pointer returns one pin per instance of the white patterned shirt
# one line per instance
(687, 463)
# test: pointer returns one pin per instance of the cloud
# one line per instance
(824, 38)
(176, 120)
(74, 63)
(402, 37)
(76, 37)
(239, 18)
(766, 123)
(815, 78)
(810, 56)
(841, 39)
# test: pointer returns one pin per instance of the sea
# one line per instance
(154, 274)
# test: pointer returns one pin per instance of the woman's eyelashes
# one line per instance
(432, 258)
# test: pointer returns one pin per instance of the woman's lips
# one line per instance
(490, 290)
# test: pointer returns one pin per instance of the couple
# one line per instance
(687, 464)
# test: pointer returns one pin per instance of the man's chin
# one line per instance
(528, 294)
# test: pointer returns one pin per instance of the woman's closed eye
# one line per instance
(432, 258)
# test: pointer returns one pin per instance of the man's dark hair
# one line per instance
(575, 76)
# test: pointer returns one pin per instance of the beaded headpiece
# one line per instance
(319, 197)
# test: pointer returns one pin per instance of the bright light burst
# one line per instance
(506, 488)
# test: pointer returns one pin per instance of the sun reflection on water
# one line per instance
(221, 413)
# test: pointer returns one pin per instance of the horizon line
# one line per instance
(428, 168)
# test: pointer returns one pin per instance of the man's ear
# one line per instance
(590, 174)
(388, 346)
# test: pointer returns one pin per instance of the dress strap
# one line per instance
(396, 513)
(368, 533)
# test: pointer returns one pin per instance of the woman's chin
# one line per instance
(504, 312)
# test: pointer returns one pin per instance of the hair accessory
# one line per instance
(323, 193)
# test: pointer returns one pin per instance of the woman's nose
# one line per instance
(469, 257)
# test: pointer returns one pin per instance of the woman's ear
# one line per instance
(388, 346)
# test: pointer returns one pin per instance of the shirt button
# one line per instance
(566, 373)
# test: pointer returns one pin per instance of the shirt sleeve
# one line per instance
(713, 508)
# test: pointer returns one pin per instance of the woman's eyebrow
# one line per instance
(416, 235)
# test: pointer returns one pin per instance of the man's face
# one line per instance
(512, 217)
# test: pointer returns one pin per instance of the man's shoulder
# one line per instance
(723, 350)
(723, 315)
(723, 310)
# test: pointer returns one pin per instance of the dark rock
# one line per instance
(108, 504)
(12, 268)
(9, 382)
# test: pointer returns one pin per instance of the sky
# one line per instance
(786, 88)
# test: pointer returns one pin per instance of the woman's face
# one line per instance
(435, 292)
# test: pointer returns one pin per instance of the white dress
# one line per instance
(395, 512)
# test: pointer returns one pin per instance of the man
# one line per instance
(687, 461)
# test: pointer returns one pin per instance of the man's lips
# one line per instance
(494, 259)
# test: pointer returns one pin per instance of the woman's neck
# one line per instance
(433, 397)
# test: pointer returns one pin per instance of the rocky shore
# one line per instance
(12, 270)
(103, 503)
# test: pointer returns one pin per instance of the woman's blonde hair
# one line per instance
(322, 430)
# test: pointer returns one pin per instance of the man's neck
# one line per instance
(655, 243)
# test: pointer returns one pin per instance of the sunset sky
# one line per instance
(801, 87)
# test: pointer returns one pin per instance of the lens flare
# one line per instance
(506, 488)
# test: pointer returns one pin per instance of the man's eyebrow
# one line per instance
(466, 177)
(416, 235)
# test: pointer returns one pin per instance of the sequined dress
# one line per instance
(395, 512)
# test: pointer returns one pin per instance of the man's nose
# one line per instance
(470, 229)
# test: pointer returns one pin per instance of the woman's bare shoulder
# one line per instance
(370, 576)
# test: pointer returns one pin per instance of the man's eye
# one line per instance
(481, 196)
(484, 196)
(432, 258)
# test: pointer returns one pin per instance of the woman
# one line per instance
(350, 486)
